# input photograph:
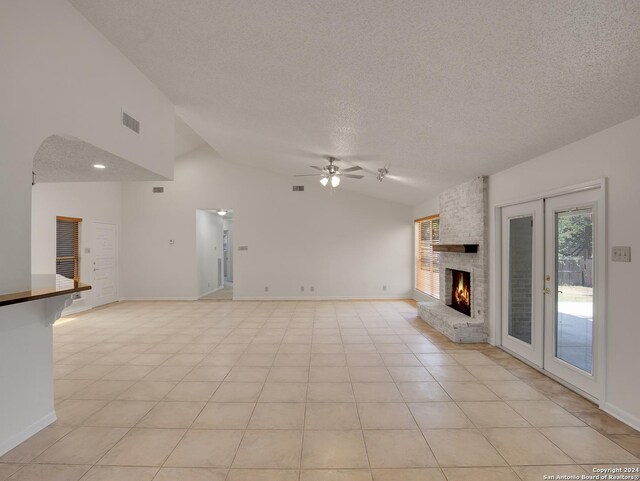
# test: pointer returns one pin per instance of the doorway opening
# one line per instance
(214, 249)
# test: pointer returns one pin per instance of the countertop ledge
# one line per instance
(36, 293)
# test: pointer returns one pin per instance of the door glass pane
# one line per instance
(521, 278)
(574, 281)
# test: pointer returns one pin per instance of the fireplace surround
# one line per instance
(463, 221)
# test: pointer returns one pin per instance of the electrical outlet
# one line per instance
(384, 288)
(266, 288)
(621, 254)
(301, 288)
(312, 289)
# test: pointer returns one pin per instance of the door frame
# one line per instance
(600, 275)
(115, 264)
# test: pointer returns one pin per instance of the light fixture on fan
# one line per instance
(332, 173)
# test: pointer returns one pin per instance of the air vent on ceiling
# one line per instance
(298, 188)
(130, 122)
(158, 190)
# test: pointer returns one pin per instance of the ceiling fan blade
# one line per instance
(352, 176)
(351, 169)
(316, 167)
(308, 175)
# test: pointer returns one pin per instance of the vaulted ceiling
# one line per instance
(441, 90)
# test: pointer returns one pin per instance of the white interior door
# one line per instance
(573, 302)
(105, 277)
(522, 280)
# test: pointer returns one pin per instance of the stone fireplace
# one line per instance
(463, 222)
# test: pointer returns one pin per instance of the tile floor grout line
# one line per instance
(244, 432)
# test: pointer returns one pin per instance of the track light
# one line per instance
(335, 181)
(324, 181)
(382, 172)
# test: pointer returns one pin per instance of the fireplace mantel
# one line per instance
(456, 248)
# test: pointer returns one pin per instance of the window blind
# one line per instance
(68, 247)
(427, 232)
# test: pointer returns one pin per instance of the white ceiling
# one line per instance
(443, 90)
(68, 159)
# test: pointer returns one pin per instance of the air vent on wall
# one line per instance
(158, 190)
(298, 188)
(130, 122)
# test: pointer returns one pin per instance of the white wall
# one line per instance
(61, 76)
(344, 244)
(90, 201)
(26, 373)
(208, 251)
(615, 154)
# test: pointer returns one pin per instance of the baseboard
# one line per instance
(70, 311)
(13, 441)
(211, 292)
(318, 298)
(621, 415)
(159, 299)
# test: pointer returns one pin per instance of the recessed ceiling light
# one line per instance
(99, 166)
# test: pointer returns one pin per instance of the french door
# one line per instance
(522, 280)
(552, 252)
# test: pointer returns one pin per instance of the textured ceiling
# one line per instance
(67, 159)
(441, 90)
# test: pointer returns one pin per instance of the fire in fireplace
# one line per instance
(461, 291)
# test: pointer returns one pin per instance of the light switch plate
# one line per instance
(621, 253)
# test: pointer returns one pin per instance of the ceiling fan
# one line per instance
(332, 173)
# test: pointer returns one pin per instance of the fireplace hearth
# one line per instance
(461, 291)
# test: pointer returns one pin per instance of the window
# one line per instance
(68, 248)
(428, 261)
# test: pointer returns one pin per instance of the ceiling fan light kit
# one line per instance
(332, 173)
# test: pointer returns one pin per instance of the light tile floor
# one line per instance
(301, 391)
